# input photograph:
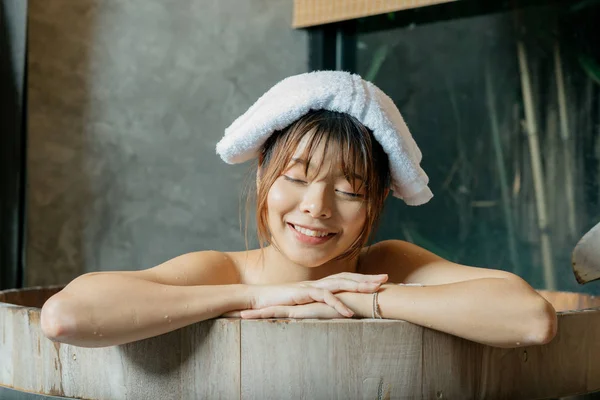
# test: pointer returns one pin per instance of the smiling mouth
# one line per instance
(311, 233)
(307, 239)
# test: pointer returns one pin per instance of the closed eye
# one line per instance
(353, 195)
(287, 178)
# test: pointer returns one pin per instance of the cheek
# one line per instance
(278, 199)
(355, 217)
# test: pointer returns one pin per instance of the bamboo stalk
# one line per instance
(464, 190)
(553, 173)
(587, 131)
(517, 167)
(536, 165)
(566, 138)
(596, 131)
(503, 175)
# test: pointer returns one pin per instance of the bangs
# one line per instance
(341, 149)
(347, 143)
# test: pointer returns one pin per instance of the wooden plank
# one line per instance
(230, 358)
(195, 362)
(317, 12)
(313, 359)
(451, 366)
(590, 320)
(391, 359)
(7, 345)
(569, 301)
(29, 297)
(211, 362)
(559, 368)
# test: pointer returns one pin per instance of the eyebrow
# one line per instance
(311, 166)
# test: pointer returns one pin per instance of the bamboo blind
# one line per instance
(316, 12)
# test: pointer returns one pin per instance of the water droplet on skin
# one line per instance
(187, 306)
(518, 343)
(95, 332)
(177, 277)
(100, 334)
(166, 316)
(429, 325)
(169, 320)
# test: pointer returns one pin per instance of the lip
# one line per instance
(309, 239)
(311, 228)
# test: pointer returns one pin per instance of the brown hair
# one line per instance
(352, 146)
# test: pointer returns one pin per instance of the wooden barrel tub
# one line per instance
(300, 359)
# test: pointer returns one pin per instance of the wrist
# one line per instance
(359, 303)
(249, 295)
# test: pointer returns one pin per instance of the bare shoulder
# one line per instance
(396, 258)
(246, 264)
(406, 262)
(196, 268)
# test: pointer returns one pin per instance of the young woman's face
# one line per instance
(314, 218)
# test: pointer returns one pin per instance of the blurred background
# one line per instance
(113, 110)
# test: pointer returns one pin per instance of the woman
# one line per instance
(321, 185)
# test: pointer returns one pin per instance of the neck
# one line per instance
(277, 268)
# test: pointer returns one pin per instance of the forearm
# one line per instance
(493, 311)
(104, 310)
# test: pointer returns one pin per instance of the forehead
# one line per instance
(347, 160)
(302, 147)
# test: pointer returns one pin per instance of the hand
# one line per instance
(232, 314)
(350, 282)
(320, 291)
(304, 311)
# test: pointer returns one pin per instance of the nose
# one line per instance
(316, 202)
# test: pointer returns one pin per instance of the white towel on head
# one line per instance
(339, 91)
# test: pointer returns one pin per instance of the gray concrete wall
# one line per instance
(127, 100)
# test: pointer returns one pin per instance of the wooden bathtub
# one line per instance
(304, 359)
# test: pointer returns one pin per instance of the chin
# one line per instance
(306, 259)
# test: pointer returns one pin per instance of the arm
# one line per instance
(488, 306)
(110, 308)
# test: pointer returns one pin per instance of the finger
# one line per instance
(231, 314)
(361, 277)
(251, 314)
(267, 312)
(327, 297)
(348, 285)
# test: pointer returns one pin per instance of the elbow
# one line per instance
(55, 321)
(542, 321)
(545, 324)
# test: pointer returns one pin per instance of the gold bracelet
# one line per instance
(375, 313)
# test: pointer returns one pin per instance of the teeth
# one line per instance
(308, 232)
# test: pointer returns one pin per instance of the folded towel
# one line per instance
(339, 91)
